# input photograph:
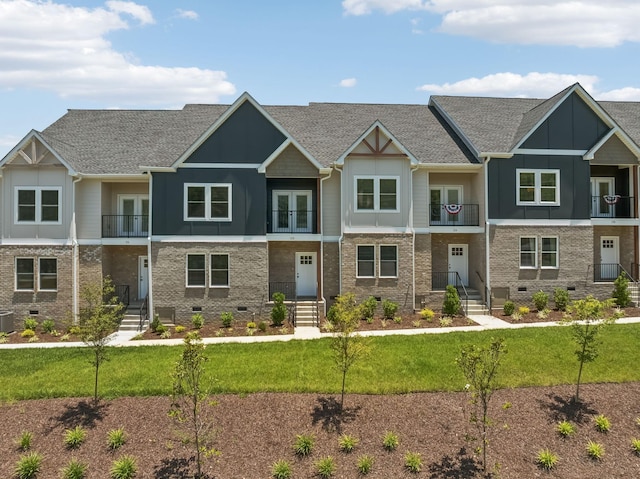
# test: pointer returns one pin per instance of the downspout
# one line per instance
(324, 301)
(487, 285)
(413, 244)
(75, 267)
(341, 239)
(150, 310)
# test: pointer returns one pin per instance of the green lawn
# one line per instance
(398, 364)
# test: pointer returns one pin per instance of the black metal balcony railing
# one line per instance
(284, 287)
(292, 221)
(612, 206)
(606, 272)
(125, 226)
(440, 280)
(453, 215)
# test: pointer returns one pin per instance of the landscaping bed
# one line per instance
(552, 315)
(255, 430)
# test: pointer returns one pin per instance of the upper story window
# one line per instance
(376, 193)
(207, 201)
(538, 187)
(37, 204)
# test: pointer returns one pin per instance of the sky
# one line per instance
(57, 55)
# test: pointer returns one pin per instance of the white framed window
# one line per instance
(25, 274)
(528, 252)
(366, 259)
(207, 202)
(537, 187)
(37, 204)
(47, 274)
(549, 252)
(376, 193)
(388, 261)
(219, 271)
(196, 270)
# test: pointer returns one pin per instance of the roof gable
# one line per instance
(376, 142)
(33, 149)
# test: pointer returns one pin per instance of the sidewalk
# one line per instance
(484, 322)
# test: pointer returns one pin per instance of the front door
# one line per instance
(441, 196)
(609, 257)
(133, 211)
(143, 276)
(292, 212)
(603, 197)
(306, 274)
(459, 262)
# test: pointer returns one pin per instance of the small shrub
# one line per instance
(565, 429)
(180, 329)
(508, 308)
(74, 330)
(303, 444)
(161, 328)
(30, 323)
(523, 310)
(28, 466)
(561, 299)
(635, 445)
(251, 325)
(74, 470)
(595, 450)
(197, 321)
(262, 326)
(25, 440)
(250, 331)
(602, 423)
(383, 323)
(165, 334)
(227, 318)
(543, 314)
(516, 316)
(48, 326)
(397, 319)
(417, 323)
(326, 467)
(116, 438)
(74, 437)
(621, 293)
(4, 337)
(413, 462)
(365, 463)
(66, 337)
(281, 469)
(124, 468)
(28, 333)
(451, 304)
(389, 309)
(546, 459)
(347, 443)
(56, 333)
(390, 441)
(540, 300)
(33, 339)
(279, 310)
(427, 314)
(445, 321)
(368, 308)
(137, 337)
(155, 323)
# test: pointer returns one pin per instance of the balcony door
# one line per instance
(445, 195)
(292, 211)
(133, 215)
(603, 198)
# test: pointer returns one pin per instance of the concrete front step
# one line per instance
(131, 322)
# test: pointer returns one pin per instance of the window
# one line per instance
(549, 252)
(207, 202)
(388, 261)
(25, 274)
(48, 274)
(375, 193)
(219, 275)
(366, 261)
(196, 270)
(38, 205)
(528, 252)
(538, 187)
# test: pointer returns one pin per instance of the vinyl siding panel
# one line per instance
(331, 218)
(88, 202)
(614, 152)
(420, 198)
(291, 164)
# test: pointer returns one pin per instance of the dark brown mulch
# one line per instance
(255, 430)
(554, 315)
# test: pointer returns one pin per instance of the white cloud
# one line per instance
(187, 14)
(71, 57)
(348, 82)
(621, 94)
(415, 26)
(582, 23)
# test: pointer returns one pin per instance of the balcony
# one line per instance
(612, 206)
(453, 215)
(292, 221)
(125, 226)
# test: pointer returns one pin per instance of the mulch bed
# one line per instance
(255, 430)
(554, 315)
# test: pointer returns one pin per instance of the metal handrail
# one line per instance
(465, 308)
(144, 313)
(125, 226)
(466, 214)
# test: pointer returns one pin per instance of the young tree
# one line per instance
(190, 397)
(98, 317)
(586, 318)
(480, 368)
(347, 346)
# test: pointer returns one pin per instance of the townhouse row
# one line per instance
(214, 208)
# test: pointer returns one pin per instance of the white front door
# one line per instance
(444, 195)
(306, 274)
(459, 261)
(609, 257)
(292, 211)
(143, 276)
(133, 211)
(602, 197)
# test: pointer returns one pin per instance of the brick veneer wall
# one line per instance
(56, 305)
(331, 272)
(248, 273)
(121, 264)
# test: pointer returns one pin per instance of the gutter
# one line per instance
(486, 233)
(75, 267)
(324, 301)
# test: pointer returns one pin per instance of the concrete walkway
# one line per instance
(483, 323)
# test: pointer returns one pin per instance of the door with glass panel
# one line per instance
(441, 196)
(133, 215)
(292, 212)
(603, 198)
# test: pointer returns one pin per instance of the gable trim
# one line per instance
(285, 144)
(30, 137)
(392, 139)
(622, 136)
